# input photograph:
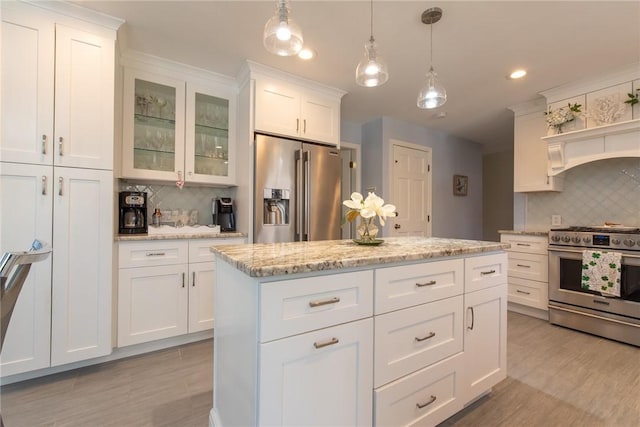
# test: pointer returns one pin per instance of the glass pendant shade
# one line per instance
(282, 35)
(371, 70)
(432, 94)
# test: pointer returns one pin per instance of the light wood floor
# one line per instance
(556, 377)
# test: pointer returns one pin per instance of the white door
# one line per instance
(411, 183)
(152, 303)
(27, 88)
(485, 340)
(84, 100)
(202, 277)
(320, 118)
(82, 264)
(26, 214)
(320, 378)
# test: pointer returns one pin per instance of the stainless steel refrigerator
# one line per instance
(297, 191)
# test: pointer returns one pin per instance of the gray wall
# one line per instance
(452, 216)
(497, 206)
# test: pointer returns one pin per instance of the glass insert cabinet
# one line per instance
(177, 130)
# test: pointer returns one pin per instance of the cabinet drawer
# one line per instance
(484, 271)
(526, 243)
(294, 306)
(409, 285)
(528, 266)
(410, 339)
(426, 397)
(529, 293)
(200, 249)
(152, 253)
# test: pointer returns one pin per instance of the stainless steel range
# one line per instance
(572, 306)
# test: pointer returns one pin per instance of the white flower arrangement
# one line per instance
(556, 118)
(368, 209)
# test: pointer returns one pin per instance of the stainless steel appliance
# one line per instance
(617, 318)
(223, 214)
(297, 191)
(133, 212)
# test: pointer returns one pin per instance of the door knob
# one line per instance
(397, 226)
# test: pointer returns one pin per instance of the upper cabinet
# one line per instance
(288, 105)
(177, 128)
(41, 56)
(529, 151)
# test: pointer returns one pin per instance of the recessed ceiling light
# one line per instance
(517, 74)
(307, 53)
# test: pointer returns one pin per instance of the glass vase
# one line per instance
(367, 232)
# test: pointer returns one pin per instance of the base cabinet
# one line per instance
(324, 376)
(485, 340)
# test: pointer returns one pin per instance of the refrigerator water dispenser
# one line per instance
(275, 206)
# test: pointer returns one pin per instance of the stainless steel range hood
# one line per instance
(571, 149)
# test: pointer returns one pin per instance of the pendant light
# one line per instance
(432, 94)
(371, 70)
(282, 35)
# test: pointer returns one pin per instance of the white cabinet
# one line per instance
(82, 264)
(528, 274)
(35, 49)
(176, 129)
(305, 111)
(57, 157)
(29, 190)
(324, 376)
(530, 153)
(485, 340)
(165, 288)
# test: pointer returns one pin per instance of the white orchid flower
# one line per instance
(368, 208)
(355, 202)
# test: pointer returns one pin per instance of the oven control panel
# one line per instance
(620, 241)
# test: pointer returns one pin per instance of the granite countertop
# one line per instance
(274, 259)
(179, 235)
(525, 232)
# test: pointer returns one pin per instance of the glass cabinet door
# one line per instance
(209, 141)
(154, 127)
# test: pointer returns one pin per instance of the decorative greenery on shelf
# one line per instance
(633, 99)
(559, 117)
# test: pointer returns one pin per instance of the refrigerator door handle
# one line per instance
(306, 210)
(298, 195)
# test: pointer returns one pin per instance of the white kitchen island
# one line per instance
(333, 333)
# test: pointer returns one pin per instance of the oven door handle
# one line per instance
(560, 251)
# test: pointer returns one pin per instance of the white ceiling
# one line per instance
(476, 43)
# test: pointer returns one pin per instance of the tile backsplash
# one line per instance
(188, 198)
(604, 190)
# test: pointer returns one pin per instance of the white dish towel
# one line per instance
(601, 272)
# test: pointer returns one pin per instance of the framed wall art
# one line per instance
(460, 185)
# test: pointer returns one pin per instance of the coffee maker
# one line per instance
(133, 212)
(223, 214)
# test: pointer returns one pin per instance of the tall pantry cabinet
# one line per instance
(56, 179)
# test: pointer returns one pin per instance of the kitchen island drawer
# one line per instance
(529, 266)
(426, 397)
(484, 271)
(152, 253)
(410, 285)
(290, 307)
(528, 292)
(410, 339)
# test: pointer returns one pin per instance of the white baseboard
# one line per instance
(528, 311)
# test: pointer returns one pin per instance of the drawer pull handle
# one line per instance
(484, 273)
(429, 283)
(422, 405)
(327, 301)
(429, 335)
(523, 244)
(44, 185)
(183, 280)
(332, 341)
(156, 254)
(44, 144)
(523, 265)
(523, 292)
(473, 319)
(60, 146)
(194, 278)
